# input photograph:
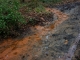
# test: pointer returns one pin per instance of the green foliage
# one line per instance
(40, 9)
(32, 21)
(10, 18)
(33, 4)
(38, 5)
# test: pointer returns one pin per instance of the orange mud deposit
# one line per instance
(61, 17)
(12, 49)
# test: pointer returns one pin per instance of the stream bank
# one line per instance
(49, 42)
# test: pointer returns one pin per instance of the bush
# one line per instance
(40, 9)
(38, 5)
(10, 18)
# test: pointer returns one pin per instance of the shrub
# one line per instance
(10, 18)
(40, 9)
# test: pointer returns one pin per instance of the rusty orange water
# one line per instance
(13, 48)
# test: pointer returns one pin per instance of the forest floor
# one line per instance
(50, 41)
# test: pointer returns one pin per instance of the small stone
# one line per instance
(46, 47)
(66, 42)
(47, 37)
(36, 55)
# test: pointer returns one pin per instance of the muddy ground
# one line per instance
(49, 42)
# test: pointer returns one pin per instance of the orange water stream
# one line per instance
(13, 48)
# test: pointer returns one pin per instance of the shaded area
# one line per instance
(77, 53)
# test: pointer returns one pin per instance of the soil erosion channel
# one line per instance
(49, 42)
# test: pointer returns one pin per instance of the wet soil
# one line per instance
(49, 42)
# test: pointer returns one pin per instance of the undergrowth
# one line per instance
(10, 18)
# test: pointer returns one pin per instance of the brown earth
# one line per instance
(13, 49)
(34, 46)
